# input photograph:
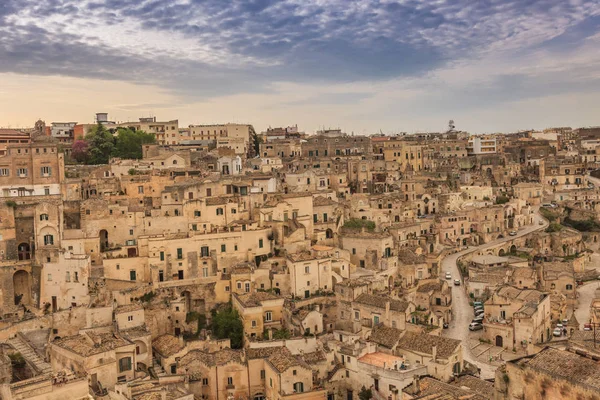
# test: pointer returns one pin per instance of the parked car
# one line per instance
(479, 312)
(478, 308)
(557, 332)
(477, 303)
(457, 282)
(478, 319)
(513, 233)
(587, 327)
(445, 325)
(565, 322)
(475, 326)
(541, 222)
(448, 275)
(559, 326)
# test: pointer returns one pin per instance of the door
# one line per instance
(54, 305)
(306, 294)
(499, 341)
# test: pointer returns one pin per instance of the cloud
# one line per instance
(460, 53)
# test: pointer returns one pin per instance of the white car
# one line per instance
(513, 233)
(448, 275)
(457, 282)
(557, 332)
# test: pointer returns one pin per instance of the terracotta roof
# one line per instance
(196, 357)
(322, 201)
(564, 365)
(283, 360)
(432, 389)
(262, 352)
(91, 343)
(167, 345)
(477, 385)
(385, 336)
(423, 343)
(128, 308)
(380, 302)
(255, 299)
(430, 286)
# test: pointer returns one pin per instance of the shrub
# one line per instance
(356, 223)
(502, 199)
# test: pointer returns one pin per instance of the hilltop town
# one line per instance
(146, 260)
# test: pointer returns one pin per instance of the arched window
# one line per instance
(174, 162)
(48, 240)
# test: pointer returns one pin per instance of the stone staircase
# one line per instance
(158, 369)
(30, 355)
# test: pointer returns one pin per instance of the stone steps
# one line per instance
(30, 355)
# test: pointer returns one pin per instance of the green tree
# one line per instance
(256, 142)
(129, 143)
(365, 394)
(502, 199)
(100, 145)
(226, 323)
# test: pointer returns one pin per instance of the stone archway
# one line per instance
(22, 287)
(513, 249)
(103, 240)
(501, 252)
(329, 234)
(499, 341)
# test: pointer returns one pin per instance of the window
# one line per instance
(49, 277)
(125, 364)
(22, 172)
(324, 217)
(204, 251)
(503, 314)
(268, 316)
(239, 285)
(219, 211)
(43, 217)
(196, 213)
(569, 287)
(47, 191)
(140, 189)
(204, 381)
(48, 240)
(131, 231)
(76, 277)
(299, 387)
(162, 256)
(130, 318)
(179, 253)
(223, 248)
(262, 374)
(260, 243)
(230, 380)
(132, 275)
(4, 172)
(205, 272)
(247, 287)
(68, 277)
(353, 251)
(375, 319)
(254, 323)
(294, 372)
(307, 270)
(356, 315)
(46, 171)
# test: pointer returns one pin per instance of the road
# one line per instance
(462, 313)
(585, 295)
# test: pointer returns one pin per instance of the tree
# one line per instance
(100, 144)
(129, 143)
(226, 323)
(79, 151)
(365, 394)
(256, 142)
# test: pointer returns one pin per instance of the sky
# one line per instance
(365, 66)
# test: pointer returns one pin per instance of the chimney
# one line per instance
(417, 390)
(434, 352)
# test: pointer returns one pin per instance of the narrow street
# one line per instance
(584, 299)
(461, 310)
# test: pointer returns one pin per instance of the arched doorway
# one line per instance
(501, 252)
(22, 288)
(329, 234)
(513, 249)
(499, 341)
(456, 368)
(103, 240)
(24, 251)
